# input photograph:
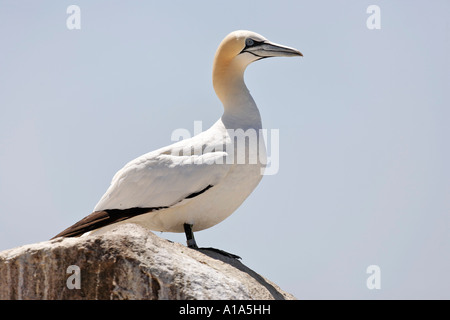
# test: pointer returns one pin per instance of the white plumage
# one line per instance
(165, 177)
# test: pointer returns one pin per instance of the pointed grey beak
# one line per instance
(268, 49)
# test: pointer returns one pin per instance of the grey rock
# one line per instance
(127, 262)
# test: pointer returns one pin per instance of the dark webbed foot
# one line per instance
(224, 253)
(193, 245)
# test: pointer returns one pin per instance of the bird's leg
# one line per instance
(190, 236)
(193, 245)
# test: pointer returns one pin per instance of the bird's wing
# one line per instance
(154, 181)
(170, 176)
(163, 179)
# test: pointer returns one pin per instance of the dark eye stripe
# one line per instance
(252, 43)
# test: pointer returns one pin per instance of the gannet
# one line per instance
(195, 183)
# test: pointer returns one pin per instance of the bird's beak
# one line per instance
(269, 49)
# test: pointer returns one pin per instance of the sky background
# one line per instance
(363, 120)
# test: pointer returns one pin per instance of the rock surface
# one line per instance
(128, 262)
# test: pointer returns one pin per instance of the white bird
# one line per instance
(195, 183)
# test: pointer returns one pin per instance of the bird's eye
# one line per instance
(249, 42)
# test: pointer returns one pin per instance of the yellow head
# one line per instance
(236, 52)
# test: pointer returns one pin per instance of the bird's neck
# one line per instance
(240, 109)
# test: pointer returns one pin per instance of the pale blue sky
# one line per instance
(363, 119)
